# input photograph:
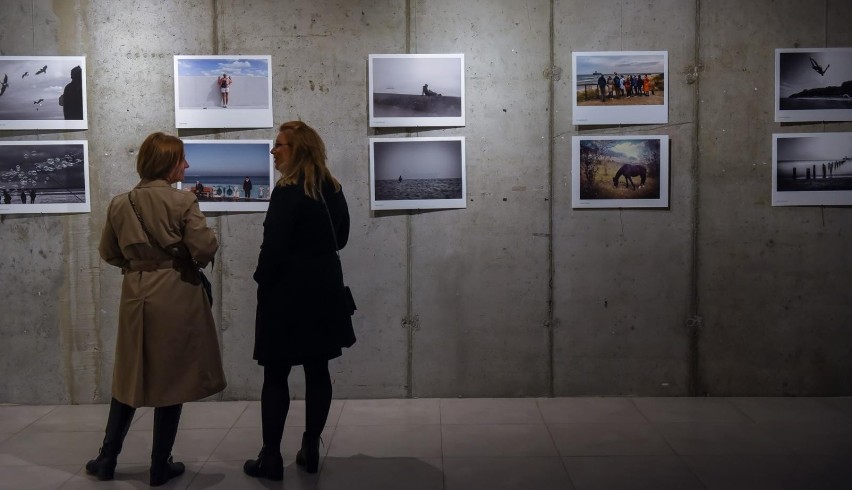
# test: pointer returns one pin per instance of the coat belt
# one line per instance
(148, 265)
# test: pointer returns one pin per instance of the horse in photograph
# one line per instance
(628, 170)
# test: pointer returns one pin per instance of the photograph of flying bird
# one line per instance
(5, 84)
(817, 68)
(25, 74)
(43, 70)
(39, 101)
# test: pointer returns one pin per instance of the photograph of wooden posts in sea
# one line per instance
(620, 87)
(812, 169)
(620, 172)
(43, 92)
(813, 84)
(229, 175)
(44, 177)
(416, 90)
(417, 173)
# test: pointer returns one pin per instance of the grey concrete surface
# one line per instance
(517, 295)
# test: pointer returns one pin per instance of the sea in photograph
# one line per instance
(408, 105)
(814, 175)
(55, 172)
(813, 103)
(229, 186)
(411, 189)
(46, 196)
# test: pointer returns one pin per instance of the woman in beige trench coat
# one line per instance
(167, 350)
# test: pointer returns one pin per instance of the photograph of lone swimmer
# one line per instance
(409, 169)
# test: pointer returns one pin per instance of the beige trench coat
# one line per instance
(167, 349)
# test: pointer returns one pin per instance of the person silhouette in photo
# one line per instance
(602, 87)
(32, 195)
(199, 188)
(425, 89)
(7, 198)
(224, 83)
(71, 99)
(247, 187)
(24, 196)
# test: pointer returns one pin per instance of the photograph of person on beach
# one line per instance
(812, 169)
(813, 84)
(620, 87)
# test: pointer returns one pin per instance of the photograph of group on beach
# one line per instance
(417, 173)
(620, 87)
(43, 92)
(620, 172)
(44, 177)
(223, 91)
(812, 169)
(410, 90)
(229, 175)
(813, 84)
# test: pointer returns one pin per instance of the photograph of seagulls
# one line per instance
(43, 92)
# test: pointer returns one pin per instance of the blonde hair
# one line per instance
(158, 155)
(308, 160)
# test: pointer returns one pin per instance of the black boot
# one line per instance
(163, 468)
(308, 456)
(269, 464)
(118, 423)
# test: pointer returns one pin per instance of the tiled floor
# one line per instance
(469, 444)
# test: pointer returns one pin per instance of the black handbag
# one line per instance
(202, 278)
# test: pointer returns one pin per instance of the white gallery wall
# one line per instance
(518, 294)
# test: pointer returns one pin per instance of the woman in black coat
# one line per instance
(302, 317)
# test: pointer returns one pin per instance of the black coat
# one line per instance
(299, 278)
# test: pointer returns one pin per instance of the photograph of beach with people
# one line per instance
(620, 172)
(229, 175)
(417, 173)
(628, 87)
(416, 90)
(813, 84)
(44, 177)
(812, 169)
(43, 92)
(223, 91)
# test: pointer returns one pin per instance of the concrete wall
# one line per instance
(517, 295)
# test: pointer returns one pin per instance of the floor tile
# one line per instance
(789, 409)
(396, 473)
(505, 474)
(702, 438)
(49, 448)
(392, 441)
(519, 440)
(3, 437)
(130, 477)
(757, 472)
(490, 411)
(683, 409)
(391, 412)
(228, 475)
(631, 473)
(200, 415)
(813, 437)
(243, 443)
(842, 404)
(588, 409)
(17, 417)
(295, 416)
(74, 418)
(834, 467)
(46, 477)
(612, 439)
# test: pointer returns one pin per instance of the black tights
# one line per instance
(275, 400)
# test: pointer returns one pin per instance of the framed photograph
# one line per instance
(229, 175)
(620, 87)
(223, 92)
(43, 92)
(417, 173)
(44, 177)
(812, 169)
(416, 90)
(813, 84)
(620, 172)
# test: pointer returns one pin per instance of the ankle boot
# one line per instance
(163, 468)
(118, 423)
(308, 456)
(269, 464)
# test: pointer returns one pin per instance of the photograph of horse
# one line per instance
(620, 171)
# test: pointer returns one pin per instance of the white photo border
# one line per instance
(809, 198)
(46, 123)
(388, 205)
(55, 208)
(623, 114)
(661, 202)
(807, 115)
(405, 121)
(232, 117)
(233, 206)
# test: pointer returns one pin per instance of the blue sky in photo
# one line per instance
(244, 67)
(219, 159)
